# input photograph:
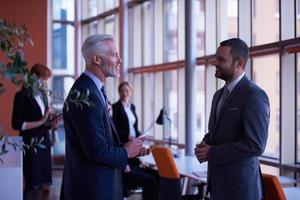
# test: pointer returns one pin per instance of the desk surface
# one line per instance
(187, 166)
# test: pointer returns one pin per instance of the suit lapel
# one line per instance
(234, 92)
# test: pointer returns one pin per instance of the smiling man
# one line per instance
(238, 129)
(95, 157)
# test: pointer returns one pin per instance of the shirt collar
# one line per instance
(126, 105)
(232, 84)
(94, 78)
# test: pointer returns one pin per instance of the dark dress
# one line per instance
(37, 166)
(146, 178)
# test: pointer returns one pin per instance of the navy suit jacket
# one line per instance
(237, 138)
(94, 157)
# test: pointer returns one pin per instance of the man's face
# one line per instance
(225, 65)
(111, 61)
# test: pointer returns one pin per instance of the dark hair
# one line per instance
(41, 70)
(124, 83)
(238, 48)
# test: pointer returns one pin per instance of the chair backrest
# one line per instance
(165, 162)
(273, 188)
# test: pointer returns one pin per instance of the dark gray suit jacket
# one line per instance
(94, 157)
(237, 137)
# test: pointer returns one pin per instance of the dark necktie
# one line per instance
(222, 100)
(105, 96)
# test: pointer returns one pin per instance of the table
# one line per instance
(187, 166)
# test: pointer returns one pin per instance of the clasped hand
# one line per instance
(201, 151)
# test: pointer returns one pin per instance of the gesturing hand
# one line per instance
(133, 147)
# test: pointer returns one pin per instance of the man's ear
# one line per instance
(97, 59)
(240, 62)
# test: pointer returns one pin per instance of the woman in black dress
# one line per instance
(31, 117)
(126, 122)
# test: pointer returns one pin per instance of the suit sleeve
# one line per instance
(89, 127)
(256, 116)
(18, 111)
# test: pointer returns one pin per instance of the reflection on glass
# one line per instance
(266, 75)
(227, 19)
(171, 34)
(171, 103)
(200, 102)
(200, 26)
(265, 22)
(62, 46)
(63, 10)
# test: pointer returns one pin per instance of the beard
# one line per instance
(110, 70)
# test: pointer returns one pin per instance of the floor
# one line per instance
(55, 188)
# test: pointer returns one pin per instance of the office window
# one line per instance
(148, 36)
(62, 46)
(200, 26)
(171, 103)
(171, 30)
(148, 93)
(298, 108)
(298, 18)
(135, 36)
(227, 19)
(266, 75)
(200, 102)
(59, 10)
(265, 21)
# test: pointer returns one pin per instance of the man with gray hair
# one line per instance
(95, 156)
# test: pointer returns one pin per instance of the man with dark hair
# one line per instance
(238, 129)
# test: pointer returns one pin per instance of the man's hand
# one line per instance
(144, 151)
(133, 147)
(201, 151)
(127, 169)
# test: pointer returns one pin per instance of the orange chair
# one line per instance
(273, 189)
(169, 182)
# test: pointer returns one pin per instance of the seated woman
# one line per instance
(126, 122)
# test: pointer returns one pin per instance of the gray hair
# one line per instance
(94, 44)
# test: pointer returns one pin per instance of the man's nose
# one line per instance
(213, 62)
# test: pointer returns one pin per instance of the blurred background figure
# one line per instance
(126, 122)
(32, 117)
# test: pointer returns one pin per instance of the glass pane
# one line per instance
(265, 21)
(171, 104)
(137, 98)
(271, 85)
(298, 17)
(61, 86)
(298, 107)
(200, 102)
(148, 105)
(63, 47)
(200, 26)
(148, 37)
(63, 10)
(171, 34)
(227, 19)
